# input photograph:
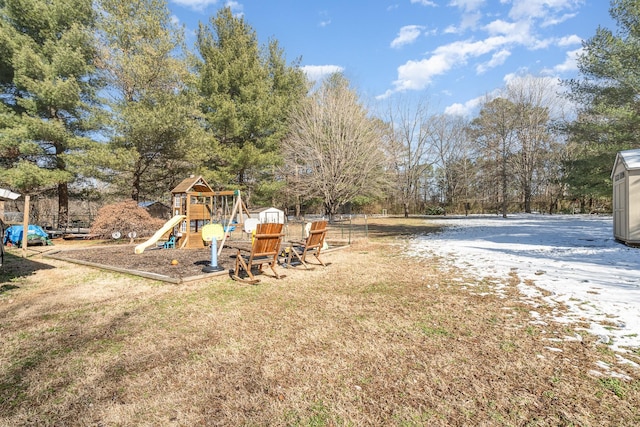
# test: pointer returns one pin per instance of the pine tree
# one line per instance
(248, 93)
(155, 138)
(608, 95)
(46, 78)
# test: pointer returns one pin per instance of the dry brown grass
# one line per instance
(376, 338)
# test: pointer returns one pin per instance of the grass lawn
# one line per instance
(375, 338)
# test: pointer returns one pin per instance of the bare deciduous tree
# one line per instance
(448, 139)
(333, 148)
(515, 133)
(494, 132)
(408, 144)
(534, 99)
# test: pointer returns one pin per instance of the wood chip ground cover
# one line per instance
(376, 338)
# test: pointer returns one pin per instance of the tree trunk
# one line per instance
(135, 188)
(406, 209)
(330, 209)
(63, 204)
(527, 198)
(25, 225)
(63, 188)
(504, 188)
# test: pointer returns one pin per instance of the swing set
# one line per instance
(195, 199)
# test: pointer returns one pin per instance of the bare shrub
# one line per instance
(124, 217)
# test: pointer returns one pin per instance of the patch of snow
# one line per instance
(626, 361)
(574, 258)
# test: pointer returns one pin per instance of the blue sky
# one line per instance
(451, 52)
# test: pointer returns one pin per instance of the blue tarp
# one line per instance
(35, 233)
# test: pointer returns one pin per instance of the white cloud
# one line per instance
(236, 8)
(528, 9)
(466, 109)
(424, 2)
(555, 20)
(470, 16)
(511, 77)
(497, 59)
(195, 4)
(200, 5)
(469, 20)
(516, 32)
(504, 35)
(385, 95)
(325, 19)
(500, 27)
(467, 5)
(451, 29)
(317, 72)
(459, 51)
(416, 75)
(407, 35)
(234, 5)
(569, 40)
(569, 63)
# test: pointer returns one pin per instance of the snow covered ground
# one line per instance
(572, 256)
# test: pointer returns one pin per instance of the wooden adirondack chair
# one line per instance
(264, 250)
(313, 244)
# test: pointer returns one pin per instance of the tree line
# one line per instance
(102, 100)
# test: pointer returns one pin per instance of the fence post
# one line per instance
(366, 227)
(25, 225)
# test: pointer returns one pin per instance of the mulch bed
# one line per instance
(190, 262)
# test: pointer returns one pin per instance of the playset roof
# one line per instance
(193, 184)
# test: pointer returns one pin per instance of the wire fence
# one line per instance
(344, 229)
(341, 230)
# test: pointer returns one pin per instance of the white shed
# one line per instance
(626, 197)
(5, 195)
(271, 215)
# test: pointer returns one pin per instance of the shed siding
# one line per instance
(619, 203)
(633, 206)
(626, 196)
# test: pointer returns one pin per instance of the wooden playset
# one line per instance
(200, 205)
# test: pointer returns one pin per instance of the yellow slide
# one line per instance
(158, 234)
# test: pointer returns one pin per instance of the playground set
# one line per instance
(194, 206)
